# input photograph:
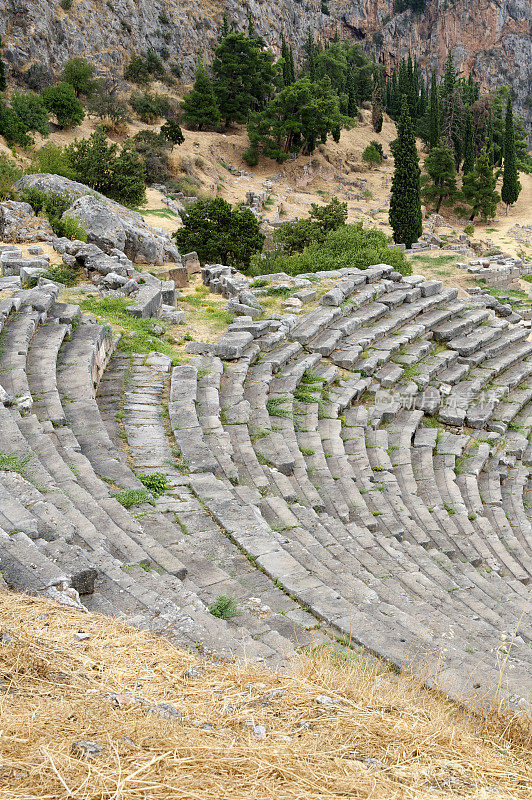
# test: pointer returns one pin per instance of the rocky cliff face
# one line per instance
(490, 38)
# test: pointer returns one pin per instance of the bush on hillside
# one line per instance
(143, 68)
(26, 114)
(118, 174)
(219, 233)
(80, 75)
(295, 236)
(347, 246)
(372, 156)
(109, 107)
(62, 101)
(9, 173)
(153, 148)
(52, 159)
(149, 106)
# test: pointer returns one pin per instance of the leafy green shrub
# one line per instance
(469, 230)
(149, 106)
(9, 173)
(51, 158)
(295, 236)
(156, 483)
(348, 246)
(71, 228)
(133, 497)
(66, 5)
(26, 114)
(99, 164)
(111, 109)
(371, 155)
(80, 75)
(224, 607)
(142, 68)
(54, 205)
(62, 101)
(219, 233)
(63, 274)
(153, 150)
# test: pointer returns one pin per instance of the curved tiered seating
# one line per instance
(367, 464)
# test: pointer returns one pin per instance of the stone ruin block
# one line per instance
(191, 262)
(179, 275)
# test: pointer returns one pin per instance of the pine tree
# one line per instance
(434, 112)
(511, 186)
(287, 57)
(440, 180)
(478, 188)
(468, 144)
(200, 106)
(3, 82)
(405, 201)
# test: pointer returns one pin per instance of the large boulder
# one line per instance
(110, 225)
(18, 223)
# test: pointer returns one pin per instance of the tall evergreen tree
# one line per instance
(310, 51)
(450, 76)
(376, 105)
(3, 82)
(351, 94)
(440, 181)
(478, 188)
(405, 201)
(434, 112)
(511, 186)
(287, 56)
(243, 76)
(224, 30)
(199, 105)
(468, 143)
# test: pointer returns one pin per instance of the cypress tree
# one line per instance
(449, 76)
(434, 112)
(478, 188)
(224, 30)
(200, 106)
(405, 201)
(510, 177)
(310, 50)
(468, 144)
(376, 106)
(351, 94)
(3, 82)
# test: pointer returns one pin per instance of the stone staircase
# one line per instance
(362, 471)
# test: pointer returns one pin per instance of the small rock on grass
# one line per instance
(84, 748)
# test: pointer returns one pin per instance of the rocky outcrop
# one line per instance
(488, 37)
(109, 225)
(18, 223)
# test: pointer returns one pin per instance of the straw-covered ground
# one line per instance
(162, 723)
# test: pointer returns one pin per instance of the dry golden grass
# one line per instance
(55, 690)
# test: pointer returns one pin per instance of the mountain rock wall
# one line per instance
(490, 38)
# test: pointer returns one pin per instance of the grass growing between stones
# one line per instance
(134, 497)
(137, 335)
(334, 727)
(10, 462)
(224, 607)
